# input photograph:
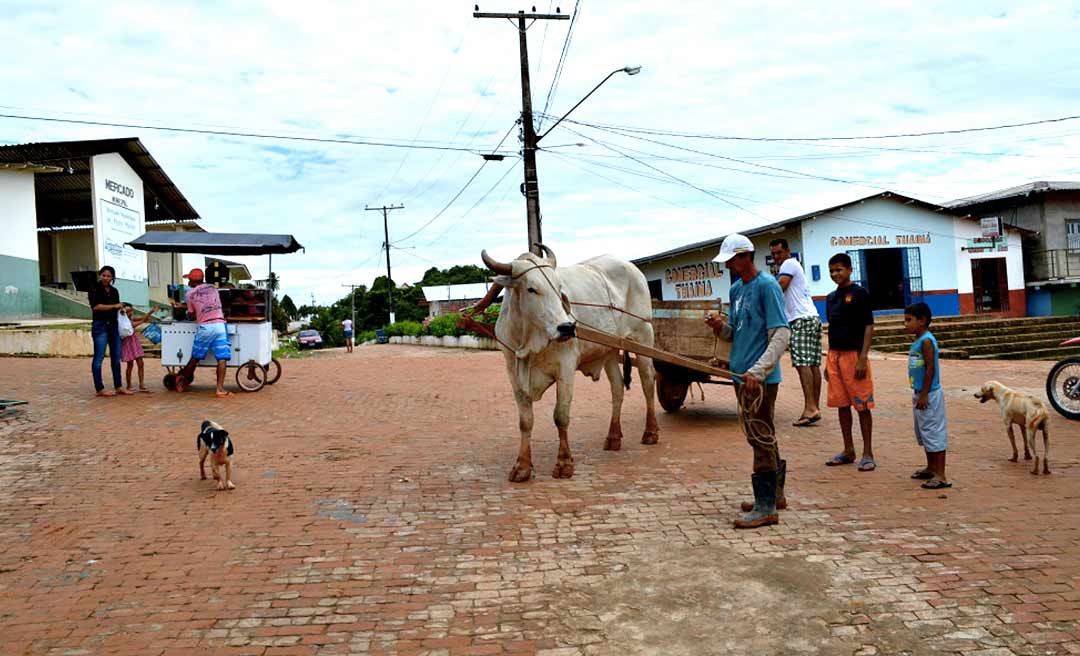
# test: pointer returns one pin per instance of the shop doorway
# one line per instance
(990, 284)
(893, 276)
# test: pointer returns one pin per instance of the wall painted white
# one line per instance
(1014, 259)
(872, 224)
(18, 215)
(117, 193)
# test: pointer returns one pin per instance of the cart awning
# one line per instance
(215, 243)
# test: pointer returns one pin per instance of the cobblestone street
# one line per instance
(373, 515)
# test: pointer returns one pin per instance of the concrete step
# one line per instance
(981, 338)
(1003, 326)
(1036, 354)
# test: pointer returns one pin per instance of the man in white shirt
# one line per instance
(805, 325)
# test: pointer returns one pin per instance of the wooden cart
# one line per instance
(686, 351)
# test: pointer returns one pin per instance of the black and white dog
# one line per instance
(213, 439)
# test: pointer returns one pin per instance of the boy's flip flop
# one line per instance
(867, 464)
(839, 459)
(936, 484)
(922, 474)
(806, 421)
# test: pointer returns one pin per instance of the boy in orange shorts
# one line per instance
(851, 329)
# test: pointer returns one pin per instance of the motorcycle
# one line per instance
(1063, 384)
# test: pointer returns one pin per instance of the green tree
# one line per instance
(289, 307)
(273, 281)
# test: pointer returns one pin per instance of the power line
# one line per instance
(251, 135)
(553, 89)
(450, 227)
(673, 177)
(427, 114)
(691, 135)
(458, 194)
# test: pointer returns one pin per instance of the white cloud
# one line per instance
(383, 70)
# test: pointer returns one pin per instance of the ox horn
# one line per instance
(550, 254)
(500, 268)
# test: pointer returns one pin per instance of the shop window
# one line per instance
(656, 290)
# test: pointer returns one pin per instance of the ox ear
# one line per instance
(505, 281)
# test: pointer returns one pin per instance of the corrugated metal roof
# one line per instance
(466, 292)
(1028, 189)
(64, 198)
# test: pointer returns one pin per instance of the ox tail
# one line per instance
(626, 370)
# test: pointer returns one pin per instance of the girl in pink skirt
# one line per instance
(131, 350)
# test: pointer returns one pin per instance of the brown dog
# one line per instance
(213, 439)
(1025, 411)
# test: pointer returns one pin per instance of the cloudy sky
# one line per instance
(429, 74)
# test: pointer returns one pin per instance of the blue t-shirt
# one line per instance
(756, 308)
(916, 367)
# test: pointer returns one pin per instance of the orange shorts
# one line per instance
(844, 388)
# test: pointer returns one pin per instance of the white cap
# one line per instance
(733, 244)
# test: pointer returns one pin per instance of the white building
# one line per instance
(68, 208)
(902, 250)
(444, 299)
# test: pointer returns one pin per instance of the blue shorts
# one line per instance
(211, 336)
(348, 334)
(930, 428)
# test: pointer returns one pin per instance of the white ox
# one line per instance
(541, 305)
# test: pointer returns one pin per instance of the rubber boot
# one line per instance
(781, 499)
(764, 510)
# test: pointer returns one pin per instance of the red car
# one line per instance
(309, 339)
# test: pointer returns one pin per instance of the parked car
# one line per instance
(309, 339)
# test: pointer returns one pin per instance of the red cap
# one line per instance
(194, 274)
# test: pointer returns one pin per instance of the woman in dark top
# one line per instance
(105, 302)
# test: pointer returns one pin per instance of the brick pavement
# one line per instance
(373, 515)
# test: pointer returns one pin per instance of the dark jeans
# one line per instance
(767, 453)
(106, 333)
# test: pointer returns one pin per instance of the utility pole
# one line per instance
(352, 302)
(386, 244)
(531, 188)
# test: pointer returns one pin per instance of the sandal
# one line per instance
(839, 459)
(922, 474)
(806, 421)
(225, 395)
(935, 484)
(867, 464)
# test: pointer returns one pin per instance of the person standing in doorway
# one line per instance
(759, 334)
(211, 334)
(105, 304)
(805, 325)
(346, 327)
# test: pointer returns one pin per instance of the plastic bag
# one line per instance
(152, 332)
(124, 324)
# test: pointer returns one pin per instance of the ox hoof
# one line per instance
(1015, 458)
(1027, 456)
(650, 438)
(613, 443)
(563, 470)
(520, 474)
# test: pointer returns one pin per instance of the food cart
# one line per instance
(248, 312)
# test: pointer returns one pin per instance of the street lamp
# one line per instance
(629, 70)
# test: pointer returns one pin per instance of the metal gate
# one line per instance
(913, 287)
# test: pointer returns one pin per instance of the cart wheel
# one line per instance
(275, 367)
(251, 376)
(671, 392)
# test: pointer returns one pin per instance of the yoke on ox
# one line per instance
(540, 309)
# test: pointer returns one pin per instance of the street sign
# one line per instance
(991, 226)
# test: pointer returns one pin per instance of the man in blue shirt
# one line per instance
(759, 335)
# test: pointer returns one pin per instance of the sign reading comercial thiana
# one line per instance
(118, 215)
